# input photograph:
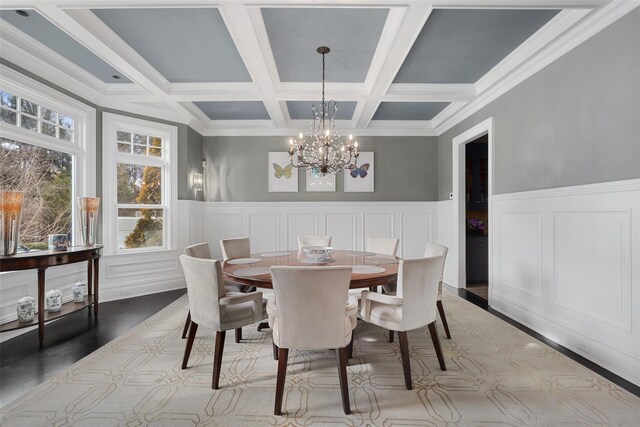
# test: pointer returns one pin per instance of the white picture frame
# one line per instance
(361, 179)
(317, 183)
(281, 175)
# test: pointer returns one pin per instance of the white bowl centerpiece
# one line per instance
(319, 253)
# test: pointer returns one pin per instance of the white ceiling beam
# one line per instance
(546, 35)
(528, 4)
(313, 91)
(595, 21)
(212, 130)
(414, 18)
(410, 92)
(181, 92)
(243, 32)
(28, 53)
(96, 36)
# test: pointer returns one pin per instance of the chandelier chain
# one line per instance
(323, 150)
(323, 103)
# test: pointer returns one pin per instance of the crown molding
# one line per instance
(592, 23)
(244, 20)
(28, 53)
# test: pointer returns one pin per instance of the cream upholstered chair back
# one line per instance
(314, 241)
(418, 287)
(383, 245)
(310, 305)
(434, 249)
(199, 250)
(235, 248)
(205, 287)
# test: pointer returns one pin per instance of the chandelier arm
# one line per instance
(323, 149)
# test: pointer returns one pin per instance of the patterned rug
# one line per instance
(497, 375)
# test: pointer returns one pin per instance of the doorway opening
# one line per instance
(477, 216)
(478, 222)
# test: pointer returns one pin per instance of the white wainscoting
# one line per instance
(275, 225)
(566, 263)
(121, 276)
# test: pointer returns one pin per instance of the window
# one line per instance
(46, 148)
(46, 178)
(139, 185)
(34, 117)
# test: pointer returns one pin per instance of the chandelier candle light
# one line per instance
(323, 149)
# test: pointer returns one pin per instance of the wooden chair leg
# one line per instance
(238, 335)
(283, 355)
(390, 336)
(187, 350)
(217, 358)
(444, 318)
(341, 356)
(406, 361)
(263, 325)
(186, 325)
(350, 347)
(436, 344)
(275, 351)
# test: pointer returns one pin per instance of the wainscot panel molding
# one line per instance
(276, 225)
(121, 276)
(566, 263)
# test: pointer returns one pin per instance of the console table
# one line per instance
(45, 259)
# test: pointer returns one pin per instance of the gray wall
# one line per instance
(189, 141)
(575, 122)
(189, 160)
(237, 167)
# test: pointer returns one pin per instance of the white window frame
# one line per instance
(83, 146)
(111, 124)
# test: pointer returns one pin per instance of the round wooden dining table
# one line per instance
(370, 269)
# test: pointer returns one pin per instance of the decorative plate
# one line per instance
(244, 261)
(272, 254)
(368, 269)
(252, 271)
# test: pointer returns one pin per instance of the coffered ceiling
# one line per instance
(234, 67)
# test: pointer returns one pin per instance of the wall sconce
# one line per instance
(197, 181)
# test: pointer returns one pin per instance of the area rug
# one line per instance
(497, 376)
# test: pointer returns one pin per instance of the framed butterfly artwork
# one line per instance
(360, 178)
(317, 182)
(282, 176)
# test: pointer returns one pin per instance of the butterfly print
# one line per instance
(361, 171)
(279, 171)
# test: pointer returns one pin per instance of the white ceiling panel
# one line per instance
(184, 45)
(351, 34)
(398, 67)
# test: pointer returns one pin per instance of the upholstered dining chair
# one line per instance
(380, 245)
(434, 249)
(239, 247)
(299, 321)
(201, 250)
(211, 307)
(235, 248)
(413, 307)
(313, 241)
(383, 245)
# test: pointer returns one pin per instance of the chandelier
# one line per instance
(323, 149)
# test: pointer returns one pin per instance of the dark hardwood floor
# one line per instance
(24, 365)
